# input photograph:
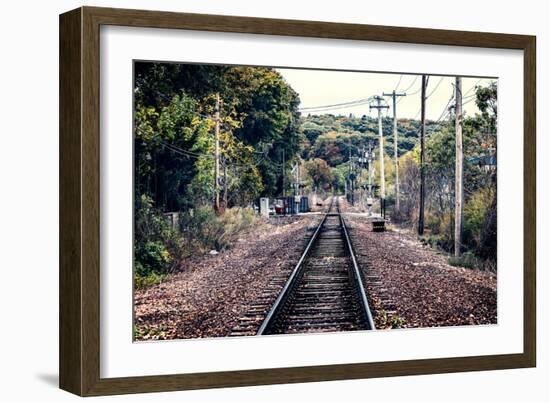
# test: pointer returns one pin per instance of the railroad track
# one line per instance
(324, 292)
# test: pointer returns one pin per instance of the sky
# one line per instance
(322, 87)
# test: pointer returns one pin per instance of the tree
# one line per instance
(259, 118)
(162, 170)
(320, 174)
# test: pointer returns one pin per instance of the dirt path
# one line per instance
(417, 284)
(206, 298)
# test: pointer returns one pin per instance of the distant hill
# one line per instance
(329, 136)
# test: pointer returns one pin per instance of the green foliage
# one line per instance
(204, 230)
(319, 173)
(261, 136)
(158, 248)
(152, 257)
(328, 136)
(479, 181)
(467, 260)
(150, 333)
(259, 116)
(384, 320)
(148, 280)
(339, 176)
(486, 101)
(161, 171)
(475, 213)
(156, 245)
(440, 241)
(312, 131)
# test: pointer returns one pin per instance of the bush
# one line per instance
(385, 320)
(467, 260)
(152, 257)
(475, 213)
(487, 248)
(438, 241)
(144, 281)
(156, 246)
(205, 230)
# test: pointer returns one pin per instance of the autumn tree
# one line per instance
(319, 172)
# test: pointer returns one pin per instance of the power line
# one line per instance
(183, 151)
(398, 82)
(472, 87)
(407, 89)
(467, 102)
(410, 86)
(436, 86)
(335, 106)
(334, 109)
(179, 151)
(446, 109)
(360, 102)
(357, 102)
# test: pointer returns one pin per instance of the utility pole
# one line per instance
(361, 165)
(352, 182)
(379, 106)
(351, 175)
(370, 173)
(296, 179)
(394, 95)
(217, 155)
(346, 189)
(458, 166)
(422, 135)
(349, 168)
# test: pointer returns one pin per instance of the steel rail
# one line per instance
(359, 287)
(279, 303)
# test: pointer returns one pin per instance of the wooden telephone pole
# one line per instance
(458, 166)
(217, 155)
(370, 157)
(379, 107)
(351, 187)
(422, 135)
(394, 95)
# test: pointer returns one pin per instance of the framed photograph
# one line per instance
(248, 201)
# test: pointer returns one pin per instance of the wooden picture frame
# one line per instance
(80, 184)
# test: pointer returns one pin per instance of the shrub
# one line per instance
(156, 246)
(467, 260)
(205, 230)
(438, 241)
(475, 213)
(151, 257)
(487, 248)
(150, 332)
(385, 320)
(144, 281)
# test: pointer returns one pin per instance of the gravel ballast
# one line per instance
(416, 284)
(209, 294)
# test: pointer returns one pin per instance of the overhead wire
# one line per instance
(436, 87)
(334, 106)
(411, 85)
